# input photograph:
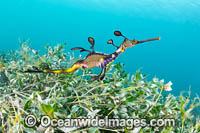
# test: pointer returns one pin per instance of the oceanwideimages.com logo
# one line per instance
(130, 123)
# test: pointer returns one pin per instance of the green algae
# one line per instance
(73, 95)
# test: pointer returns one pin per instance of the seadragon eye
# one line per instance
(134, 42)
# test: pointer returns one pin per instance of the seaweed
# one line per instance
(119, 95)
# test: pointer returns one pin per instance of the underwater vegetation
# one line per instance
(73, 95)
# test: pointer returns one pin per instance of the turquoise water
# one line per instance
(175, 57)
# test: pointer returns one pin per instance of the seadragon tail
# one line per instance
(73, 68)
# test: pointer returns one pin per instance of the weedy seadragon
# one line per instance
(95, 59)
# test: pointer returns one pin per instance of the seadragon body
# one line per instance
(95, 59)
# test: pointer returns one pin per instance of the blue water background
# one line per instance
(175, 57)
